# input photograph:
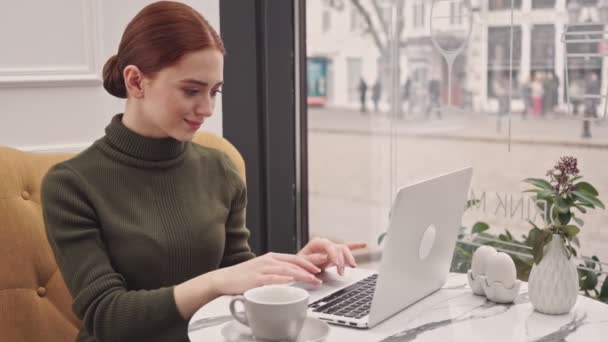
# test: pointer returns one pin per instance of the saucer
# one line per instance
(314, 330)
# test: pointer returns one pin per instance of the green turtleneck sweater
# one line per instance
(129, 218)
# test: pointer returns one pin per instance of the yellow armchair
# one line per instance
(35, 304)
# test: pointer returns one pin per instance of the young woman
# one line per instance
(147, 227)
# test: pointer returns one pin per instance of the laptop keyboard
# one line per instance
(353, 301)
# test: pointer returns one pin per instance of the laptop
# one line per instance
(423, 227)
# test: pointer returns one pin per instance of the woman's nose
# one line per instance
(204, 108)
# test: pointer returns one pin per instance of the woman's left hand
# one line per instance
(324, 253)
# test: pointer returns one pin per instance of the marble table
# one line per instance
(453, 313)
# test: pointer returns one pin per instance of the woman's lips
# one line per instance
(193, 124)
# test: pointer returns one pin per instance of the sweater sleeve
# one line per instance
(236, 249)
(108, 310)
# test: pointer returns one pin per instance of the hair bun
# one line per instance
(113, 80)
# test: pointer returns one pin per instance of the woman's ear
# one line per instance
(133, 81)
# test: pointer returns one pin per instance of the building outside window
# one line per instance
(496, 5)
(354, 74)
(452, 13)
(542, 48)
(356, 20)
(418, 13)
(499, 53)
(536, 4)
(326, 23)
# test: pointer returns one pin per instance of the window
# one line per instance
(543, 4)
(457, 12)
(326, 23)
(357, 159)
(422, 14)
(453, 13)
(495, 5)
(418, 12)
(542, 48)
(461, 13)
(356, 20)
(499, 53)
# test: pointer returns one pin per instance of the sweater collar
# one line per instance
(138, 146)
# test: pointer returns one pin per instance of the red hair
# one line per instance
(157, 37)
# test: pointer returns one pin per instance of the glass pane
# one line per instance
(508, 93)
(348, 127)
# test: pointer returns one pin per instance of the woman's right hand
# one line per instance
(268, 269)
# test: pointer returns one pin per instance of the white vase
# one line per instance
(553, 284)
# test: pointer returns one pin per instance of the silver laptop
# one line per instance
(423, 227)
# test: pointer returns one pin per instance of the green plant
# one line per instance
(559, 197)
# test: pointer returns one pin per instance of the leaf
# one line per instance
(604, 291)
(480, 227)
(537, 252)
(539, 247)
(570, 230)
(586, 187)
(533, 224)
(546, 193)
(590, 281)
(381, 237)
(471, 203)
(590, 199)
(507, 236)
(590, 264)
(581, 209)
(533, 235)
(564, 219)
(538, 182)
(570, 251)
(575, 178)
(562, 205)
(578, 221)
(576, 242)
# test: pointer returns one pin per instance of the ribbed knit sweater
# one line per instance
(132, 216)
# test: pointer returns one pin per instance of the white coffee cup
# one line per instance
(274, 312)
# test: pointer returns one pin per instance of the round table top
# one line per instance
(453, 313)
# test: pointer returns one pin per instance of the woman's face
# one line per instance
(178, 99)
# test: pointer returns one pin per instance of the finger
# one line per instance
(340, 256)
(316, 258)
(296, 273)
(310, 246)
(353, 246)
(348, 256)
(330, 249)
(298, 260)
(274, 279)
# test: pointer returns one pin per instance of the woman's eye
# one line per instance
(215, 92)
(190, 92)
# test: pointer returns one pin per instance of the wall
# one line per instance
(52, 53)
